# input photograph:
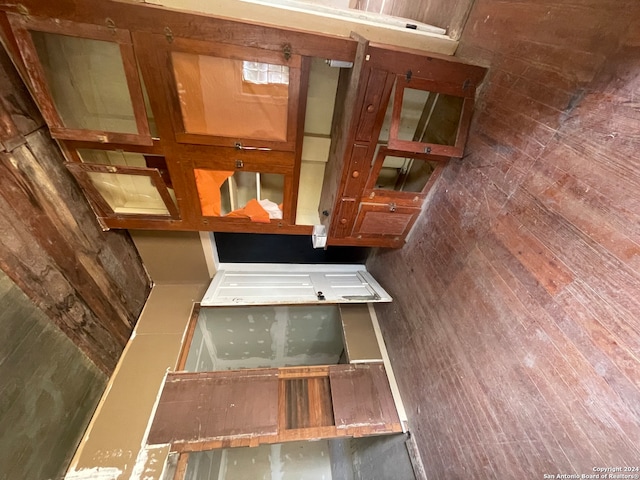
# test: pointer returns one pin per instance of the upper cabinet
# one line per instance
(179, 121)
(233, 96)
(85, 79)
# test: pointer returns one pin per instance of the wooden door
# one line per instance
(247, 284)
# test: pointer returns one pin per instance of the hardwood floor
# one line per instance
(515, 330)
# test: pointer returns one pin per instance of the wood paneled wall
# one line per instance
(90, 283)
(515, 331)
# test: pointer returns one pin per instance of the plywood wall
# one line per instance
(515, 331)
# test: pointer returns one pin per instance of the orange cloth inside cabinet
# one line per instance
(253, 210)
(208, 183)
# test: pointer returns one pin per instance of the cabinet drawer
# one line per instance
(343, 221)
(371, 104)
(358, 171)
(382, 219)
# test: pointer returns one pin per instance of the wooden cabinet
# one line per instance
(178, 121)
(406, 114)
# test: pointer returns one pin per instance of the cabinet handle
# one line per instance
(355, 174)
(239, 146)
(343, 221)
(370, 108)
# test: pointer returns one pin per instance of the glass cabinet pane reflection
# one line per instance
(429, 117)
(127, 193)
(87, 81)
(232, 98)
(404, 174)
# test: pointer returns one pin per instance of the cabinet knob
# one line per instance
(355, 174)
(370, 108)
(343, 221)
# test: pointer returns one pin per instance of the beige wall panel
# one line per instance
(172, 257)
(111, 446)
(359, 336)
(169, 308)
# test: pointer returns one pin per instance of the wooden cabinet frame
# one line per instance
(23, 25)
(370, 191)
(467, 94)
(235, 52)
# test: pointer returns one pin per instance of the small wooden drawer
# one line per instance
(358, 172)
(371, 105)
(343, 222)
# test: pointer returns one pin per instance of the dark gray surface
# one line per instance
(382, 457)
(48, 390)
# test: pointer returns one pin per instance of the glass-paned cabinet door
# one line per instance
(428, 117)
(85, 80)
(125, 183)
(256, 196)
(398, 172)
(234, 96)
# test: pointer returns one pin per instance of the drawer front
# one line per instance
(359, 166)
(382, 219)
(371, 105)
(343, 222)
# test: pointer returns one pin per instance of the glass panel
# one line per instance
(129, 159)
(429, 117)
(287, 461)
(232, 98)
(231, 338)
(403, 174)
(258, 196)
(129, 194)
(87, 82)
(107, 157)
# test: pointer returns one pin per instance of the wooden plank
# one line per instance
(362, 401)
(188, 338)
(18, 115)
(205, 407)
